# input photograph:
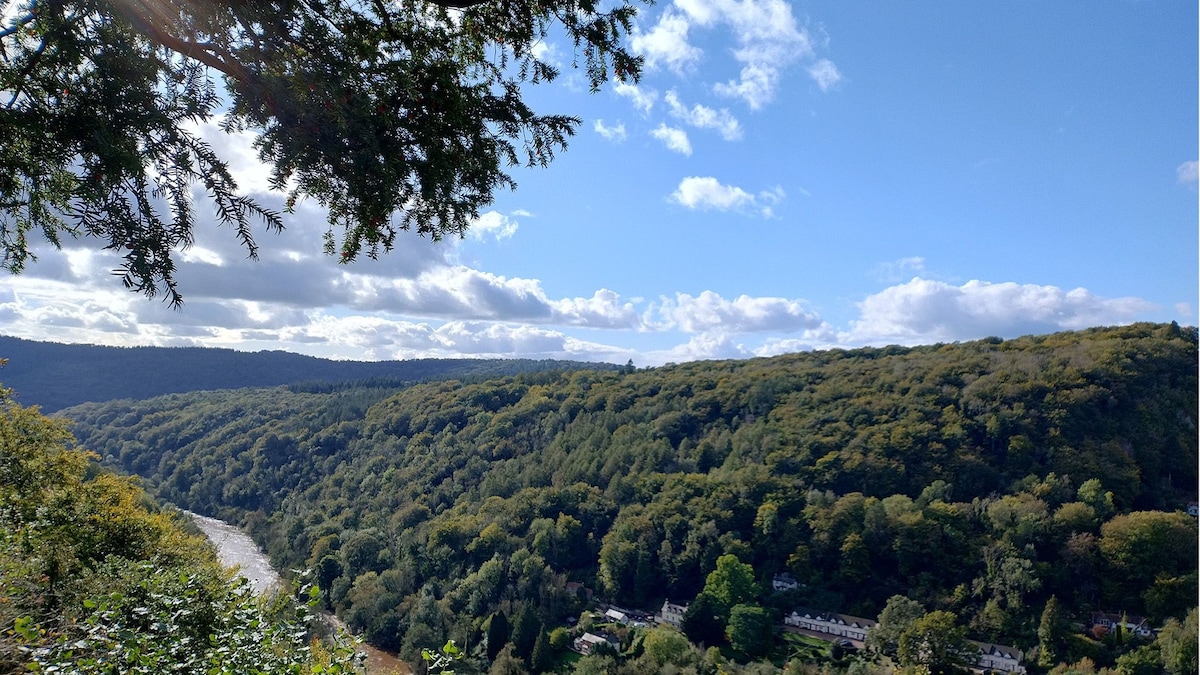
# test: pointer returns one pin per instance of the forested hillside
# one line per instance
(95, 579)
(55, 376)
(981, 479)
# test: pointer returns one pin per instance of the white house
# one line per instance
(617, 615)
(999, 658)
(830, 623)
(1131, 624)
(784, 582)
(672, 614)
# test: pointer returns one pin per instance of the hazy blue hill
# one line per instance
(56, 376)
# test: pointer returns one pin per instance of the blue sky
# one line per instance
(786, 176)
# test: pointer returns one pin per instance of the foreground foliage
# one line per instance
(978, 480)
(93, 579)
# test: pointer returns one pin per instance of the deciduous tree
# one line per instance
(937, 643)
(897, 616)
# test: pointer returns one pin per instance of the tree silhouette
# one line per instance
(393, 116)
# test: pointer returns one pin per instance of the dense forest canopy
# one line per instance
(979, 480)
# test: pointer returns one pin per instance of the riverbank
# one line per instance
(236, 549)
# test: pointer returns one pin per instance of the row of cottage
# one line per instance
(990, 657)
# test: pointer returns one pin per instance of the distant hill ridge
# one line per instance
(56, 376)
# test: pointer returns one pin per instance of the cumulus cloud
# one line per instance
(703, 117)
(642, 99)
(744, 314)
(381, 338)
(667, 42)
(493, 224)
(706, 346)
(1188, 172)
(825, 73)
(674, 139)
(769, 41)
(706, 192)
(613, 133)
(924, 311)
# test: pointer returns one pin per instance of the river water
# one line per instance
(236, 549)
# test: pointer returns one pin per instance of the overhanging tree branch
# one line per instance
(391, 116)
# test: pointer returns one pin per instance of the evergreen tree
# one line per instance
(525, 632)
(392, 115)
(1051, 632)
(542, 658)
(497, 634)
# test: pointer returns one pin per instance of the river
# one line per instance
(236, 549)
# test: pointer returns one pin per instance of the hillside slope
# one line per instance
(980, 478)
(55, 376)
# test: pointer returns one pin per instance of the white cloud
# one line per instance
(825, 73)
(744, 314)
(705, 346)
(696, 192)
(1188, 172)
(756, 86)
(548, 53)
(824, 337)
(674, 139)
(237, 150)
(494, 224)
(666, 43)
(603, 310)
(767, 36)
(703, 117)
(613, 133)
(706, 192)
(642, 99)
(924, 311)
(769, 41)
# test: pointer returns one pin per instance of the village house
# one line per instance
(997, 658)
(830, 623)
(1129, 623)
(672, 614)
(579, 590)
(614, 614)
(988, 657)
(584, 644)
(784, 582)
